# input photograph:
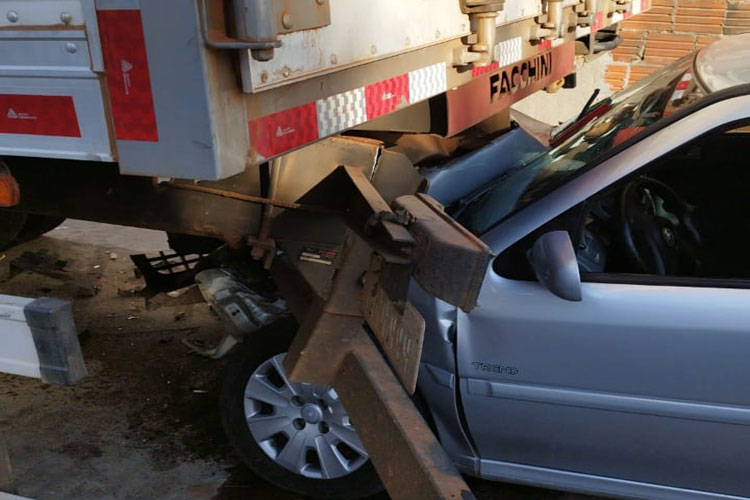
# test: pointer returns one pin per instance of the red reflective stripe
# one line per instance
(682, 85)
(598, 21)
(128, 76)
(479, 71)
(386, 96)
(52, 115)
(544, 45)
(274, 134)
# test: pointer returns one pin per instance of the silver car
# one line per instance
(610, 352)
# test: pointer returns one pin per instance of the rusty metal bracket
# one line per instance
(482, 16)
(396, 323)
(348, 192)
(218, 39)
(258, 23)
(332, 347)
(450, 262)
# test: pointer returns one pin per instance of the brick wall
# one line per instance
(668, 31)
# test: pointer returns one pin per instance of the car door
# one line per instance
(640, 389)
(635, 382)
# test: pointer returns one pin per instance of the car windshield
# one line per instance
(614, 120)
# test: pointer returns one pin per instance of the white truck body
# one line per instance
(108, 80)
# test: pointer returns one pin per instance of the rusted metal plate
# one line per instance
(399, 330)
(333, 348)
(450, 261)
(409, 459)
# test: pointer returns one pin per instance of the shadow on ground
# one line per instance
(144, 424)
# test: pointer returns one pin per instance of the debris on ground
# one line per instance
(45, 263)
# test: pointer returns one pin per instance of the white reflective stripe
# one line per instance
(341, 111)
(617, 17)
(581, 31)
(509, 51)
(427, 82)
(636, 6)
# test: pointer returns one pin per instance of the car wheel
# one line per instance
(297, 436)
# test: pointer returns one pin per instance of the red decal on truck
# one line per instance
(52, 115)
(386, 96)
(491, 93)
(128, 77)
(544, 45)
(277, 133)
(481, 70)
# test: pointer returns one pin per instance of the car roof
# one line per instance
(725, 63)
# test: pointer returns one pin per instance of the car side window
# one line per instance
(682, 220)
(686, 217)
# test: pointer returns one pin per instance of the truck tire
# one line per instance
(18, 227)
(264, 414)
(37, 225)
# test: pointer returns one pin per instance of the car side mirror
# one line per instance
(554, 262)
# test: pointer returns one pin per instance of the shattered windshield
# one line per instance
(615, 119)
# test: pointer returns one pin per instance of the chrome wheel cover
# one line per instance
(302, 427)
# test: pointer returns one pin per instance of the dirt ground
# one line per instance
(144, 423)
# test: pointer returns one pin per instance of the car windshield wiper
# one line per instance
(587, 106)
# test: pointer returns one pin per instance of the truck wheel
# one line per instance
(295, 435)
(11, 225)
(37, 225)
(18, 227)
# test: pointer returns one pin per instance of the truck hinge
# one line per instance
(481, 43)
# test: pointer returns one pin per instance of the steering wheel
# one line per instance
(658, 230)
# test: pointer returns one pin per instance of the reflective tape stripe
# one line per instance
(280, 132)
(386, 96)
(128, 77)
(286, 130)
(49, 115)
(341, 111)
(427, 82)
(481, 70)
(598, 21)
(544, 45)
(509, 51)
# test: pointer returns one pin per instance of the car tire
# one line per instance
(257, 353)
